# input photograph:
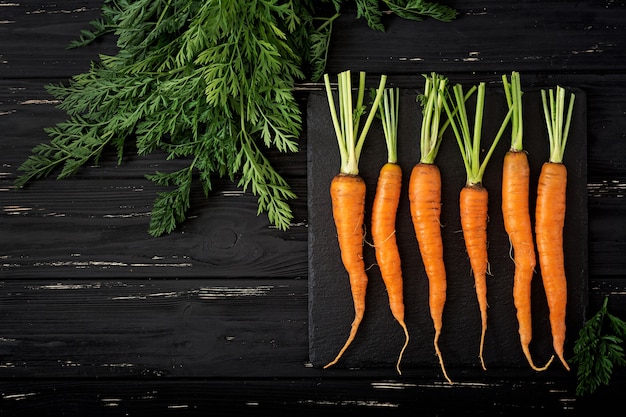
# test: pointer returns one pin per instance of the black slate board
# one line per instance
(380, 338)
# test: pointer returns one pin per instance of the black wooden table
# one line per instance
(97, 317)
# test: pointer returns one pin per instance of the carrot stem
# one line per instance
(346, 124)
(554, 112)
(388, 108)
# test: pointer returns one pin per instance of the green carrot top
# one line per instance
(557, 121)
(346, 124)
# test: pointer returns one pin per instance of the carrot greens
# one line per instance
(469, 137)
(557, 121)
(210, 84)
(599, 349)
(350, 135)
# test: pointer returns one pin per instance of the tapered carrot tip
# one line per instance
(406, 343)
(563, 361)
(482, 346)
(353, 331)
(440, 357)
(532, 364)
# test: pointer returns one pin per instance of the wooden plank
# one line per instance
(285, 396)
(35, 36)
(533, 34)
(142, 328)
(84, 228)
(212, 328)
(551, 36)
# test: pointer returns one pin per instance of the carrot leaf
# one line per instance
(598, 350)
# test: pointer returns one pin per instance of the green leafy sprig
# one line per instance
(598, 350)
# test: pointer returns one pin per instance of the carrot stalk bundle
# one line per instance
(384, 210)
(473, 199)
(347, 188)
(516, 215)
(550, 215)
(425, 204)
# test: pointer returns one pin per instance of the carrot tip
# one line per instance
(532, 364)
(353, 331)
(565, 365)
(482, 344)
(440, 357)
(406, 343)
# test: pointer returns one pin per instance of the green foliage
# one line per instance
(599, 349)
(419, 9)
(210, 83)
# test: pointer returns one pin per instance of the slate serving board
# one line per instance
(380, 337)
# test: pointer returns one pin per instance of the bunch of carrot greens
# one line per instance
(210, 83)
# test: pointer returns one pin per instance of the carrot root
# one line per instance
(348, 204)
(425, 202)
(384, 211)
(550, 219)
(516, 216)
(473, 209)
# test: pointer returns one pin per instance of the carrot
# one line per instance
(473, 199)
(384, 210)
(550, 216)
(516, 215)
(425, 204)
(348, 189)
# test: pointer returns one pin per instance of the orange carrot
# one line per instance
(473, 209)
(384, 212)
(425, 204)
(550, 217)
(516, 215)
(473, 199)
(348, 189)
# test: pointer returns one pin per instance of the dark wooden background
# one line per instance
(99, 318)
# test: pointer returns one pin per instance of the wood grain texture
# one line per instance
(98, 318)
(488, 36)
(158, 328)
